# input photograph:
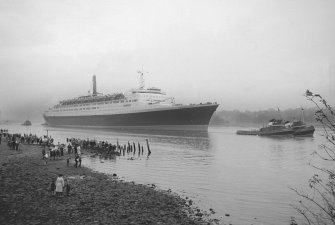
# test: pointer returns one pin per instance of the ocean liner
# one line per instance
(137, 108)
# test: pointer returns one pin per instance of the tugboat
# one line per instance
(276, 127)
(26, 123)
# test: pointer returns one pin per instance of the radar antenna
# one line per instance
(141, 81)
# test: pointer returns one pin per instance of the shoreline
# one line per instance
(95, 198)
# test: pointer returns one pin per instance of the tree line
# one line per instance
(261, 117)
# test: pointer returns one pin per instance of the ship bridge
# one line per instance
(150, 96)
(152, 90)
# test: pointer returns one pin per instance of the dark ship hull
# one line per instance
(195, 117)
(304, 131)
(276, 132)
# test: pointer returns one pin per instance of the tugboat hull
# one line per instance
(276, 132)
(275, 129)
(304, 131)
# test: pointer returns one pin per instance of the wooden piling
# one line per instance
(149, 152)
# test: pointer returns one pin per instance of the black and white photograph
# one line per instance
(166, 112)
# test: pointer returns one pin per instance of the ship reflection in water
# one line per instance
(154, 132)
(179, 137)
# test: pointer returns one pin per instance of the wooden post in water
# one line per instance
(134, 148)
(149, 152)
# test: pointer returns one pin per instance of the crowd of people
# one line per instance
(73, 147)
(15, 140)
(107, 149)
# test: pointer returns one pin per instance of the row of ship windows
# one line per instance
(100, 103)
(67, 110)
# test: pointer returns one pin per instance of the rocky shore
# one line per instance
(95, 198)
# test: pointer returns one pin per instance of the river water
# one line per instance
(244, 179)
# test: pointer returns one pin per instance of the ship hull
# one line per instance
(304, 131)
(175, 118)
(275, 131)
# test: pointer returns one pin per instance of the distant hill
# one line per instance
(248, 118)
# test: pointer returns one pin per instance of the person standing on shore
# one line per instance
(59, 185)
(46, 156)
(52, 187)
(75, 149)
(67, 187)
(61, 150)
(69, 147)
(17, 144)
(76, 161)
(79, 150)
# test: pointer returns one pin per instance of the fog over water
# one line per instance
(245, 55)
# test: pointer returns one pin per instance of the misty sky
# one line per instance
(246, 55)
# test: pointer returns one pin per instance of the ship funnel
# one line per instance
(94, 85)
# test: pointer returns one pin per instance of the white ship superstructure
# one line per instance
(136, 100)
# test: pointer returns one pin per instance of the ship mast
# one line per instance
(141, 80)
